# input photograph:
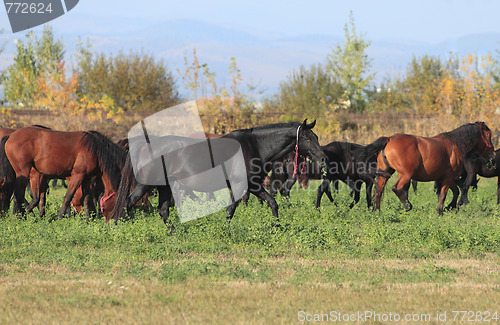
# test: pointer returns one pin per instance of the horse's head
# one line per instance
(107, 203)
(484, 146)
(308, 143)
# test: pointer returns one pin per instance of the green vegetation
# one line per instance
(209, 270)
(349, 64)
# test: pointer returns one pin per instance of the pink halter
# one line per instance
(104, 199)
(295, 164)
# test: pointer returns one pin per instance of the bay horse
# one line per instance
(439, 158)
(7, 190)
(57, 154)
(260, 146)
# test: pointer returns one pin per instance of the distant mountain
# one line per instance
(264, 59)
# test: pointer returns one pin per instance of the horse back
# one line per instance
(424, 158)
(54, 153)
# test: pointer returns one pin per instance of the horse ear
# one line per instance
(310, 126)
(304, 124)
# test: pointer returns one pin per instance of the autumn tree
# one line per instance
(349, 64)
(495, 72)
(307, 93)
(132, 82)
(34, 58)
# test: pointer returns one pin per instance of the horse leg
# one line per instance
(164, 201)
(401, 190)
(245, 198)
(74, 183)
(379, 189)
(43, 196)
(328, 192)
(356, 191)
(498, 190)
(324, 187)
(464, 197)
(414, 185)
(231, 209)
(88, 200)
(139, 191)
(368, 189)
(36, 185)
(271, 202)
(442, 196)
(453, 203)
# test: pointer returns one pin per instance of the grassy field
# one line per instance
(331, 261)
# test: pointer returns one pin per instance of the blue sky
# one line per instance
(428, 20)
(265, 36)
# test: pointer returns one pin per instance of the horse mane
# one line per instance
(111, 157)
(41, 126)
(127, 182)
(123, 143)
(464, 137)
(268, 127)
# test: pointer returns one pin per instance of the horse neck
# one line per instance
(271, 147)
(109, 189)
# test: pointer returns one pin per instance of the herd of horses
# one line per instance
(276, 156)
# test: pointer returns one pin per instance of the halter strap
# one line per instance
(295, 164)
(104, 199)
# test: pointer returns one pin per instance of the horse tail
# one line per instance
(110, 156)
(372, 150)
(7, 176)
(127, 182)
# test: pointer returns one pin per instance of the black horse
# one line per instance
(474, 166)
(260, 147)
(342, 167)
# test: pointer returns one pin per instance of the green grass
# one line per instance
(355, 253)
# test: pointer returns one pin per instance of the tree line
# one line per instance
(108, 86)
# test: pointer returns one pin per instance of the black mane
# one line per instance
(111, 157)
(464, 137)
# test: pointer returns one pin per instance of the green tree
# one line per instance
(308, 93)
(134, 82)
(423, 78)
(34, 57)
(2, 48)
(349, 64)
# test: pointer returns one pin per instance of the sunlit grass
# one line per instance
(209, 270)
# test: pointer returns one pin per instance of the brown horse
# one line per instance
(6, 191)
(427, 159)
(55, 154)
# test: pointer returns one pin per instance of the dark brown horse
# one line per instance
(427, 159)
(55, 154)
(474, 166)
(260, 147)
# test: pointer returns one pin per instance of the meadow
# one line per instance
(335, 260)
